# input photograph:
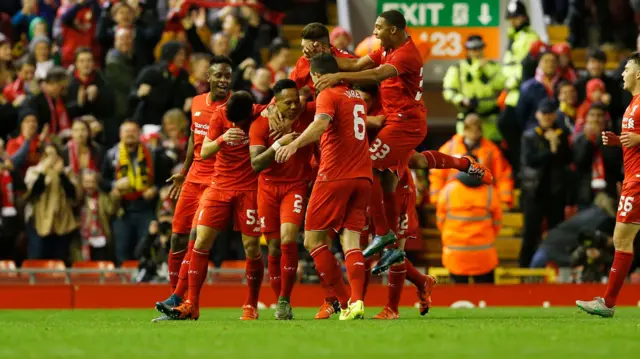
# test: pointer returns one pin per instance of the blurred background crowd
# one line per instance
(84, 81)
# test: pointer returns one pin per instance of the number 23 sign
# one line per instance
(448, 43)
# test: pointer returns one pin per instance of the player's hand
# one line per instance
(234, 134)
(284, 153)
(176, 186)
(610, 139)
(276, 120)
(288, 138)
(630, 139)
(327, 81)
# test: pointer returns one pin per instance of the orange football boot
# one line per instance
(387, 314)
(326, 311)
(185, 311)
(478, 170)
(424, 294)
(249, 312)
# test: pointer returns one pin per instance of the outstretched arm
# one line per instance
(353, 65)
(367, 77)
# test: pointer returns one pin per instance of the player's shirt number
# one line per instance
(251, 217)
(625, 205)
(359, 125)
(379, 150)
(297, 204)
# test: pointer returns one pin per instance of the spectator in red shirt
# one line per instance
(565, 65)
(340, 38)
(596, 93)
(277, 65)
(79, 24)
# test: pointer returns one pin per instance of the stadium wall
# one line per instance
(85, 296)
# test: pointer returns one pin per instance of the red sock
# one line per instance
(367, 276)
(327, 267)
(289, 268)
(175, 262)
(438, 160)
(378, 215)
(619, 270)
(356, 272)
(329, 295)
(255, 275)
(274, 274)
(391, 210)
(183, 277)
(414, 276)
(397, 274)
(198, 267)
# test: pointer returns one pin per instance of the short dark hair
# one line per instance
(562, 84)
(324, 64)
(56, 74)
(81, 50)
(283, 85)
(395, 18)
(635, 58)
(315, 31)
(216, 59)
(276, 47)
(372, 89)
(598, 106)
(596, 54)
(240, 106)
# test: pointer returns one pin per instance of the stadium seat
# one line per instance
(102, 271)
(56, 267)
(8, 265)
(131, 265)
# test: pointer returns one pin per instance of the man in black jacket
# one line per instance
(545, 160)
(49, 106)
(162, 86)
(89, 93)
(596, 65)
(598, 167)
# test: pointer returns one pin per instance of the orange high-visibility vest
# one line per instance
(488, 154)
(469, 219)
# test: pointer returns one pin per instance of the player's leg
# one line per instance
(364, 242)
(623, 237)
(331, 304)
(273, 262)
(268, 212)
(245, 203)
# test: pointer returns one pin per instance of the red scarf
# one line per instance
(88, 81)
(548, 85)
(8, 205)
(13, 90)
(90, 226)
(173, 70)
(59, 119)
(598, 181)
(74, 158)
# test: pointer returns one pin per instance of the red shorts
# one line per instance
(187, 206)
(408, 217)
(218, 207)
(281, 203)
(338, 204)
(629, 205)
(393, 146)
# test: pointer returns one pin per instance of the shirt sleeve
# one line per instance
(215, 127)
(257, 132)
(325, 104)
(398, 60)
(376, 56)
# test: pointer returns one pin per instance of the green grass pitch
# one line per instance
(445, 333)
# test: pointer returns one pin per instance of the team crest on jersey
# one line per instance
(197, 113)
(633, 110)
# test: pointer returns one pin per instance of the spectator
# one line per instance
(6, 69)
(534, 90)
(152, 252)
(51, 194)
(260, 86)
(471, 142)
(15, 95)
(277, 64)
(81, 152)
(473, 85)
(593, 258)
(546, 157)
(174, 129)
(596, 93)
(89, 93)
(532, 60)
(340, 38)
(120, 73)
(163, 86)
(596, 64)
(24, 149)
(597, 166)
(128, 174)
(568, 98)
(469, 216)
(220, 44)
(578, 33)
(562, 240)
(164, 159)
(199, 68)
(96, 212)
(79, 23)
(566, 69)
(49, 105)
(38, 27)
(40, 49)
(10, 226)
(23, 18)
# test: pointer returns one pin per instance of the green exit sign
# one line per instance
(449, 13)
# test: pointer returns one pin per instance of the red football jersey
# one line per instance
(631, 156)
(344, 148)
(233, 162)
(301, 72)
(403, 93)
(406, 184)
(201, 111)
(298, 167)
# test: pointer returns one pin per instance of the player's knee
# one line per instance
(179, 241)
(251, 246)
(274, 248)
(623, 243)
(312, 241)
(205, 237)
(289, 237)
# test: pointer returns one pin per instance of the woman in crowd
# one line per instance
(81, 152)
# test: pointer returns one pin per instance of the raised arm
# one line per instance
(355, 64)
